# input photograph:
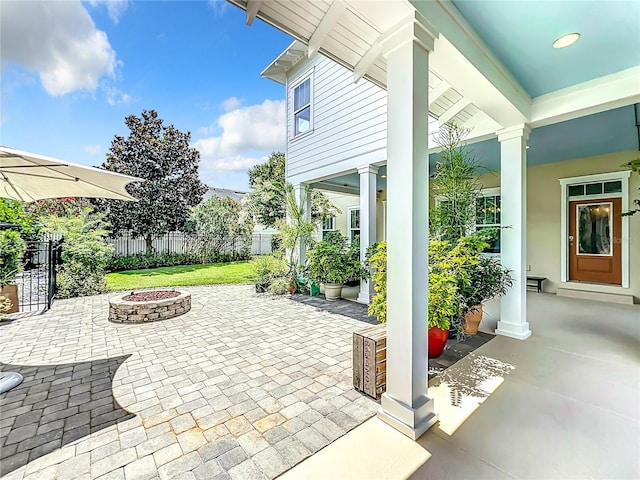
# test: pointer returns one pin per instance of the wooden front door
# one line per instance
(595, 241)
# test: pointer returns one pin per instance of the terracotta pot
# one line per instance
(332, 291)
(437, 340)
(472, 320)
(11, 292)
(292, 288)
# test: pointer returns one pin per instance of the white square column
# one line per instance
(302, 195)
(368, 222)
(405, 405)
(513, 248)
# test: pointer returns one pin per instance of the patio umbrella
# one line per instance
(28, 177)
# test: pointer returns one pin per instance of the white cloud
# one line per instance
(92, 149)
(246, 129)
(233, 164)
(59, 41)
(115, 96)
(231, 104)
(115, 8)
(218, 7)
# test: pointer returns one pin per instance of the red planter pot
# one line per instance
(437, 341)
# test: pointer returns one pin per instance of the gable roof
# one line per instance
(224, 193)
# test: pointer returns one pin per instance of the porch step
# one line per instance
(599, 296)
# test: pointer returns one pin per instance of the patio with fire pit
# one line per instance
(242, 384)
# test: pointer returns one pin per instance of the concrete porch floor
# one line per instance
(563, 404)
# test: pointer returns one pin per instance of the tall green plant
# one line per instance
(454, 186)
(296, 231)
(445, 301)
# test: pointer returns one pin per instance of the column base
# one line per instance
(519, 331)
(412, 422)
(364, 297)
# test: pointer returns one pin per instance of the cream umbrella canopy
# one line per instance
(28, 177)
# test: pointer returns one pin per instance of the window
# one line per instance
(302, 107)
(488, 215)
(328, 225)
(595, 188)
(354, 223)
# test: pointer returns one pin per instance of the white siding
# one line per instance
(349, 120)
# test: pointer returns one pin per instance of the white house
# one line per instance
(556, 123)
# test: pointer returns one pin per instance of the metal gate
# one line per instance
(37, 281)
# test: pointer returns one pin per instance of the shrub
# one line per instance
(333, 261)
(140, 261)
(85, 253)
(459, 278)
(280, 286)
(12, 249)
(5, 306)
(267, 269)
(377, 259)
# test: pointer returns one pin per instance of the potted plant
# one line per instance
(479, 277)
(12, 249)
(487, 279)
(332, 262)
(445, 302)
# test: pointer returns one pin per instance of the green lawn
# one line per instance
(215, 273)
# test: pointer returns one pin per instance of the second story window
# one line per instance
(302, 107)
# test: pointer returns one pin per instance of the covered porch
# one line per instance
(563, 404)
(396, 45)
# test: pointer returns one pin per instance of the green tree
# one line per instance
(267, 199)
(161, 155)
(220, 221)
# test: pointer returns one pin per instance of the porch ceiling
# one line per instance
(610, 33)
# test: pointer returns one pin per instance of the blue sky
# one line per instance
(72, 71)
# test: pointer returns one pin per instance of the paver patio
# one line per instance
(242, 386)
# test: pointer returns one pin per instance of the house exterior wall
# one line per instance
(348, 127)
(344, 201)
(544, 222)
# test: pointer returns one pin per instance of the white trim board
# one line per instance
(623, 176)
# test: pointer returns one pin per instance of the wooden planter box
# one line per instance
(370, 360)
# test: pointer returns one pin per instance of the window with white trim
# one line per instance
(488, 215)
(353, 217)
(302, 107)
(328, 225)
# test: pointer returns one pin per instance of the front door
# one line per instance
(595, 241)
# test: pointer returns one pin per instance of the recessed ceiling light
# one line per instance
(566, 40)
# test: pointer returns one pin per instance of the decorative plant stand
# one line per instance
(149, 306)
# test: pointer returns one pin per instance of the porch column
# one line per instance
(513, 249)
(303, 197)
(406, 405)
(368, 221)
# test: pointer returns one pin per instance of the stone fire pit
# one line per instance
(149, 306)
